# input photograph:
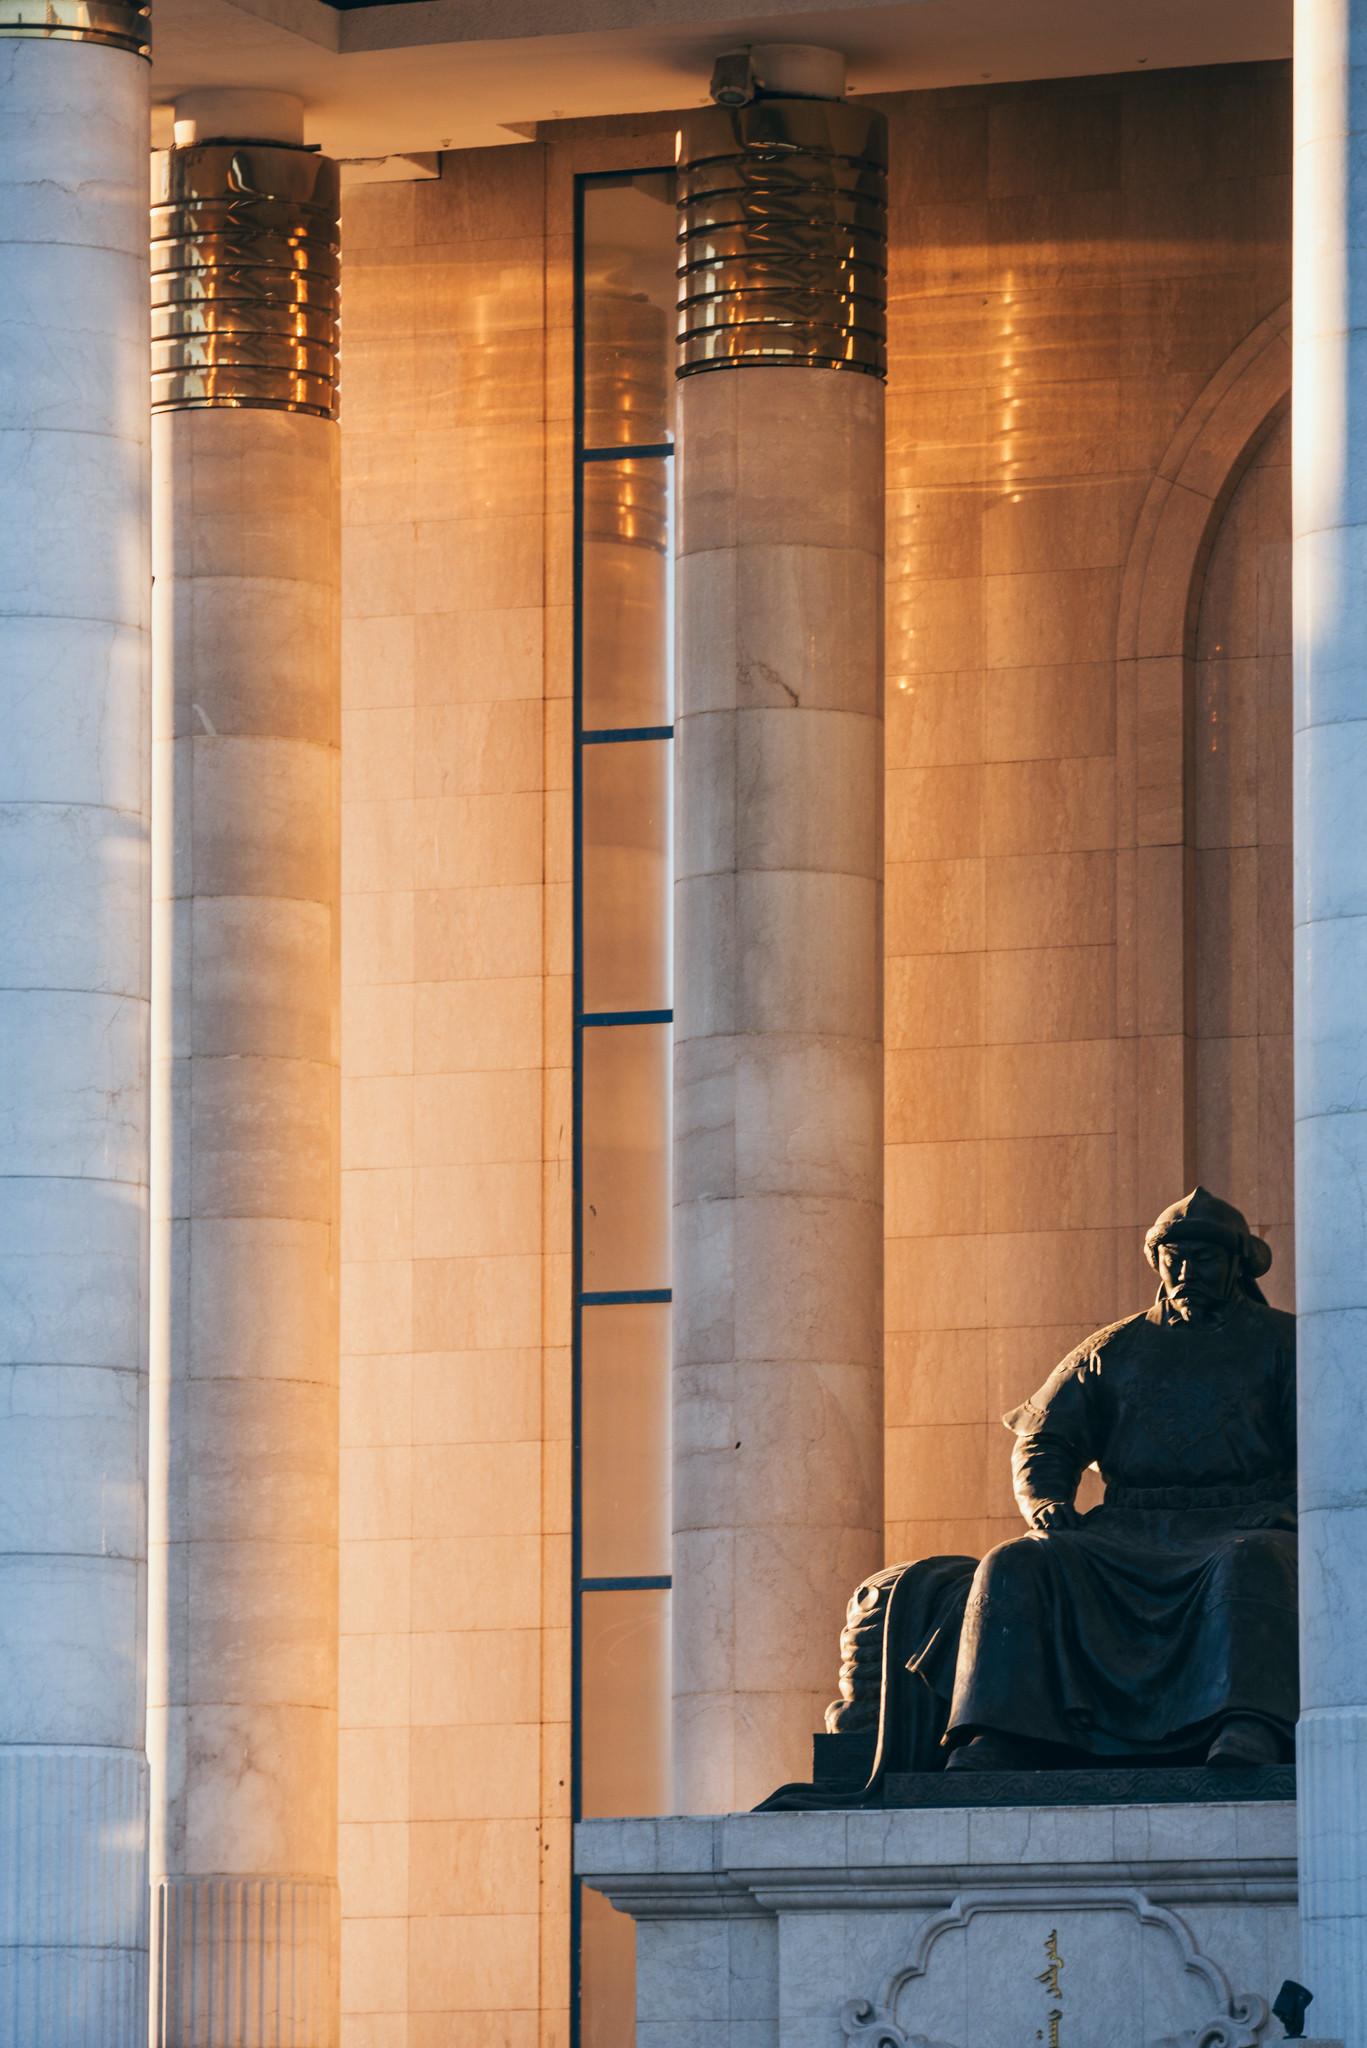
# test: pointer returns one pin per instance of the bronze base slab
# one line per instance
(1150, 1785)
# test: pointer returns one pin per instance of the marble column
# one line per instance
(778, 1481)
(1329, 493)
(74, 971)
(243, 1680)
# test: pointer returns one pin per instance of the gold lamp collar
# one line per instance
(246, 248)
(783, 204)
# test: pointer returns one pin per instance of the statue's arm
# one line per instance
(1052, 1449)
(1045, 1472)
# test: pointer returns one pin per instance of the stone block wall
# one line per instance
(1073, 262)
(455, 1567)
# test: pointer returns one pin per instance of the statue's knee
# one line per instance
(1246, 1562)
(1019, 1558)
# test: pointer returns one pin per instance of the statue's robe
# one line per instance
(1173, 1605)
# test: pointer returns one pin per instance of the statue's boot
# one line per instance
(992, 1752)
(1244, 1744)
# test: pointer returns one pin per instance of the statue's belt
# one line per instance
(1257, 1493)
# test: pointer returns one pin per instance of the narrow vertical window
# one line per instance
(624, 707)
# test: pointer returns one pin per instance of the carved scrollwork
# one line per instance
(1238, 2021)
(1240, 2027)
(867, 2026)
(862, 2023)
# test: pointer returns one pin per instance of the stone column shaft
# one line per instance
(74, 975)
(778, 1328)
(1329, 485)
(243, 1711)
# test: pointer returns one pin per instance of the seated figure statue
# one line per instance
(1162, 1624)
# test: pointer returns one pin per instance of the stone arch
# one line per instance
(1160, 599)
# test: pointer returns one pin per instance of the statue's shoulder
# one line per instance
(1281, 1323)
(1104, 1346)
(1068, 1389)
(1110, 1336)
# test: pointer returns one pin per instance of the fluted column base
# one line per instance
(1331, 1814)
(246, 1962)
(73, 1897)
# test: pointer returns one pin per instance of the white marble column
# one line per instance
(778, 1326)
(1330, 514)
(74, 967)
(242, 1728)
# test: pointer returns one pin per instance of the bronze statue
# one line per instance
(1163, 1623)
(1161, 1626)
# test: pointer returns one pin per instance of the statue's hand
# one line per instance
(1055, 1514)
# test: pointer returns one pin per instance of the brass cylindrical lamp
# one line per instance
(245, 265)
(783, 236)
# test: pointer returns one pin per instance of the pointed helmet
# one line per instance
(1201, 1217)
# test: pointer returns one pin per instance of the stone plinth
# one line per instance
(1099, 1927)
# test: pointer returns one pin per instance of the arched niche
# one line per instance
(1167, 885)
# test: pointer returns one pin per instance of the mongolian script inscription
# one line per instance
(1051, 1977)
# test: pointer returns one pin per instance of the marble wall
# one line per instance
(1072, 264)
(454, 1576)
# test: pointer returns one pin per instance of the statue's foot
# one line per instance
(991, 1752)
(1244, 1744)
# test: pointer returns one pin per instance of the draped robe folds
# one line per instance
(1173, 1604)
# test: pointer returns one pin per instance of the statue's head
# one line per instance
(1203, 1252)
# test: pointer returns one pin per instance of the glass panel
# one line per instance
(627, 300)
(607, 1973)
(626, 624)
(626, 1703)
(630, 300)
(626, 1442)
(626, 1157)
(626, 876)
